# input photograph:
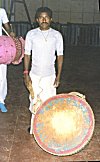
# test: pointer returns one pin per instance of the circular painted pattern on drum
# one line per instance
(63, 124)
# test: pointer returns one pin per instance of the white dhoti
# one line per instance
(3, 82)
(44, 88)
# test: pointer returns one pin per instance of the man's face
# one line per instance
(44, 21)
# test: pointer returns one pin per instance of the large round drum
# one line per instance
(63, 124)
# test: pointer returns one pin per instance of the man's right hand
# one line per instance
(27, 79)
(28, 83)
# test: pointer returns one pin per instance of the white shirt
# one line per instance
(43, 52)
(3, 18)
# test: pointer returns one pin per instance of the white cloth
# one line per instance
(3, 68)
(43, 52)
(3, 83)
(3, 18)
(43, 87)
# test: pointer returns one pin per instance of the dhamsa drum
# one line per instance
(11, 50)
(63, 124)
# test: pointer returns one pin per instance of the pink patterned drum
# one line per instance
(11, 50)
(63, 124)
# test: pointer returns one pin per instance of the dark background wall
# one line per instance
(73, 11)
(77, 20)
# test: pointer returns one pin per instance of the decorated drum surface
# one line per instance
(11, 50)
(63, 124)
(7, 50)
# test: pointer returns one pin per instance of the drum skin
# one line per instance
(63, 124)
(20, 44)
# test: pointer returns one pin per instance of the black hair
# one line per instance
(43, 9)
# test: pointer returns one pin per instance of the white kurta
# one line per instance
(3, 68)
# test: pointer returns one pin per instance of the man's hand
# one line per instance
(27, 79)
(28, 83)
(12, 34)
(56, 83)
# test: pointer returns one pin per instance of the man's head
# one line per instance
(44, 17)
(43, 9)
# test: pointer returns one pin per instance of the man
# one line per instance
(43, 42)
(3, 68)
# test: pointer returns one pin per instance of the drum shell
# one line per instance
(7, 50)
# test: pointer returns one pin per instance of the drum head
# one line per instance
(63, 124)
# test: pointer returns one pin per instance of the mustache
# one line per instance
(44, 23)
